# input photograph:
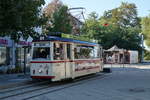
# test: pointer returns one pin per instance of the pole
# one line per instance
(142, 43)
(123, 59)
(24, 60)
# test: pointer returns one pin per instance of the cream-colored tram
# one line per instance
(59, 58)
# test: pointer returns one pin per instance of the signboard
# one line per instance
(24, 43)
(3, 42)
(75, 37)
(81, 38)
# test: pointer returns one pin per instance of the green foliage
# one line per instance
(17, 69)
(147, 55)
(20, 17)
(124, 38)
(119, 26)
(123, 16)
(91, 26)
(60, 21)
(146, 29)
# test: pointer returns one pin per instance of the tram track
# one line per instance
(13, 85)
(76, 83)
(27, 89)
(24, 92)
(28, 85)
(50, 88)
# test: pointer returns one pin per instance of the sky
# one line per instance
(99, 6)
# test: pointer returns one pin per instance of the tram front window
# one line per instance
(41, 53)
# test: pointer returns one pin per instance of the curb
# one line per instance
(11, 85)
(15, 84)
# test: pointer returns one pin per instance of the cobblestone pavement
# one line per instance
(9, 80)
(124, 83)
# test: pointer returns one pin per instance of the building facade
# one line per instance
(116, 55)
(13, 54)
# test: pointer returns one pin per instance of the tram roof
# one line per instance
(54, 38)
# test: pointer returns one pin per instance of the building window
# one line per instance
(20, 53)
(19, 56)
(3, 57)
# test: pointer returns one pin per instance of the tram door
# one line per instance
(68, 62)
(62, 52)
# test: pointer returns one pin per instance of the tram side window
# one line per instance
(84, 52)
(100, 52)
(96, 52)
(41, 52)
(68, 51)
(58, 51)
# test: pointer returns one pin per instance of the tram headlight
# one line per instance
(40, 71)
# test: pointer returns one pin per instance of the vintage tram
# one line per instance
(59, 58)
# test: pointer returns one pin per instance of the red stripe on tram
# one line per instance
(90, 61)
(48, 61)
(87, 68)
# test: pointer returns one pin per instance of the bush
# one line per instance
(147, 55)
(14, 70)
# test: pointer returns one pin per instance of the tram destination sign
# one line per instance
(81, 38)
(75, 37)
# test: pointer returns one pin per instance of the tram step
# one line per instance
(107, 70)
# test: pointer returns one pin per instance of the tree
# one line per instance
(147, 55)
(123, 16)
(60, 21)
(52, 7)
(115, 28)
(18, 18)
(91, 26)
(124, 27)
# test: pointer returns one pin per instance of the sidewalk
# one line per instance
(139, 65)
(10, 80)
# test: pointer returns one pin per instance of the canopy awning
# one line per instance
(115, 49)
